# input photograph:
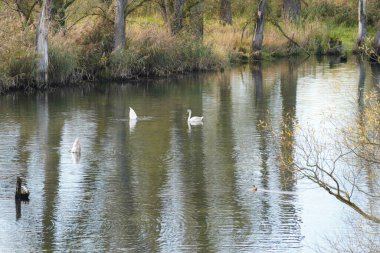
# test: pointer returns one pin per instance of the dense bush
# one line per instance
(156, 52)
(339, 14)
(21, 67)
(63, 64)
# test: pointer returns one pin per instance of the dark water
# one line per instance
(159, 185)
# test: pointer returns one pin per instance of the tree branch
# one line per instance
(276, 24)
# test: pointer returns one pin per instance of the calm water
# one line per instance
(158, 185)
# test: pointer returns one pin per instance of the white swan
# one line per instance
(194, 120)
(132, 114)
(76, 146)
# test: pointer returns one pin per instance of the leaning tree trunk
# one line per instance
(362, 24)
(257, 42)
(177, 21)
(291, 10)
(225, 12)
(119, 35)
(42, 44)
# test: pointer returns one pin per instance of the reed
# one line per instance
(153, 51)
(63, 61)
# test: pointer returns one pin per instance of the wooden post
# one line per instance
(22, 193)
(18, 187)
(18, 208)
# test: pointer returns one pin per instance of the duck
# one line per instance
(22, 192)
(76, 146)
(254, 188)
(132, 114)
(194, 120)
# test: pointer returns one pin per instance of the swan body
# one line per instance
(132, 114)
(76, 146)
(194, 120)
(22, 192)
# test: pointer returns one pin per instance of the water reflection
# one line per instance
(159, 184)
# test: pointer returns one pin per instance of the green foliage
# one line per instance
(63, 64)
(96, 45)
(126, 63)
(21, 67)
(346, 34)
(373, 13)
(160, 54)
(339, 14)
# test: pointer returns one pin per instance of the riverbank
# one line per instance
(84, 52)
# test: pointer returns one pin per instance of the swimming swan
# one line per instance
(195, 119)
(132, 114)
(76, 146)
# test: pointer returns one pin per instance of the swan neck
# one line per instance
(189, 116)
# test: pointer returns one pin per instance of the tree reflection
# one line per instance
(289, 77)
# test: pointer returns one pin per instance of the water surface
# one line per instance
(160, 185)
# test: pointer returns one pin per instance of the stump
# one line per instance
(22, 193)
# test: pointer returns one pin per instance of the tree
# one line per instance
(225, 13)
(173, 14)
(119, 38)
(346, 166)
(291, 10)
(196, 19)
(362, 32)
(58, 13)
(42, 43)
(258, 37)
(24, 9)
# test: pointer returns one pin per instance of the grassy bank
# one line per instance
(84, 51)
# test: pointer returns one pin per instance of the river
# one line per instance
(160, 185)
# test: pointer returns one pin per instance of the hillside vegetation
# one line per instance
(81, 37)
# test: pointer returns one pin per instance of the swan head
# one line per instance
(254, 188)
(188, 110)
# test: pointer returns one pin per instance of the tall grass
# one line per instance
(63, 62)
(154, 51)
(230, 43)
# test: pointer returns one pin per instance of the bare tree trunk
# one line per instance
(196, 16)
(362, 24)
(178, 16)
(257, 42)
(164, 7)
(173, 13)
(42, 43)
(291, 9)
(225, 12)
(119, 36)
(376, 43)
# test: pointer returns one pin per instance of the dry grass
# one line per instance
(309, 37)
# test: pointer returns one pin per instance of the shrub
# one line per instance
(156, 52)
(338, 13)
(63, 64)
(22, 67)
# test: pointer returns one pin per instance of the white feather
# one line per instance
(132, 114)
(76, 146)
